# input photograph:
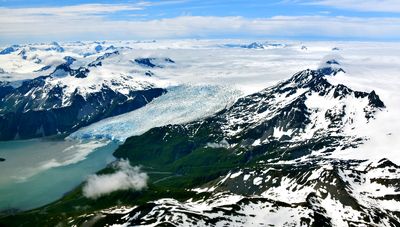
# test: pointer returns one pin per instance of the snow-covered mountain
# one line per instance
(265, 160)
(71, 89)
(312, 193)
(272, 157)
(57, 88)
(280, 140)
(257, 45)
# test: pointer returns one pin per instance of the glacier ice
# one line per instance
(179, 105)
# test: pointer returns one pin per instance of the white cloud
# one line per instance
(73, 10)
(360, 5)
(92, 21)
(222, 144)
(127, 177)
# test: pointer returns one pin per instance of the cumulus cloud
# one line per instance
(125, 178)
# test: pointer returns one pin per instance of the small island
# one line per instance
(2, 159)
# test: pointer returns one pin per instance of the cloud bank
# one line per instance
(125, 178)
(387, 6)
(94, 21)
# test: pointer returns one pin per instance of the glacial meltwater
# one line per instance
(38, 171)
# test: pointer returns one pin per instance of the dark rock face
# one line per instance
(98, 48)
(98, 60)
(108, 54)
(112, 47)
(69, 60)
(256, 45)
(44, 68)
(37, 109)
(145, 62)
(81, 72)
(5, 89)
(169, 60)
(23, 54)
(9, 50)
(55, 47)
(153, 62)
(24, 117)
(374, 100)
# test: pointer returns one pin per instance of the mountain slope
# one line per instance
(264, 160)
(304, 112)
(71, 95)
(270, 150)
(305, 194)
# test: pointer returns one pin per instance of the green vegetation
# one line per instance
(176, 159)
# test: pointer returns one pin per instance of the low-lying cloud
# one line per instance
(126, 177)
(222, 144)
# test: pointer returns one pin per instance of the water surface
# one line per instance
(39, 171)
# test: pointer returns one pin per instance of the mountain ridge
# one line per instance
(61, 102)
(270, 165)
(263, 160)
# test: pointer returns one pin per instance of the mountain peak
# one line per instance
(303, 107)
(374, 100)
(330, 66)
(54, 46)
(9, 50)
(315, 79)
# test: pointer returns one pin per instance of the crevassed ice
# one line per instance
(181, 104)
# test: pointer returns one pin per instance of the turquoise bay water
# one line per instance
(39, 171)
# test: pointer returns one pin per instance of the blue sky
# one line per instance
(34, 20)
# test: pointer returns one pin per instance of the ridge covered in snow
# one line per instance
(306, 151)
(46, 81)
(288, 178)
(72, 89)
(280, 138)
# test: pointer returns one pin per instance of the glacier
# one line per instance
(181, 104)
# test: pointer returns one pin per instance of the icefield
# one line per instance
(181, 104)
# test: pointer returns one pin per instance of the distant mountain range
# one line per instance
(257, 45)
(73, 91)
